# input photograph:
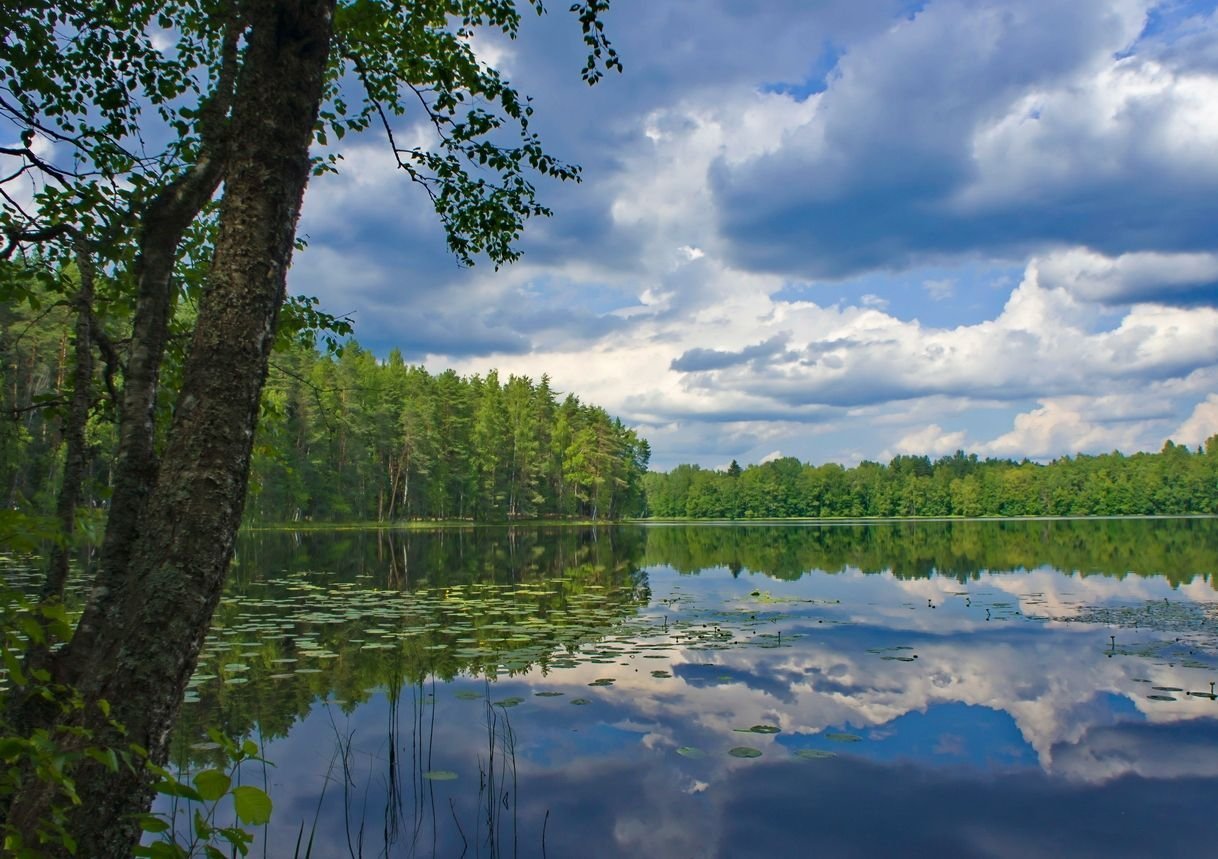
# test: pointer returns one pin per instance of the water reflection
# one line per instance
(573, 692)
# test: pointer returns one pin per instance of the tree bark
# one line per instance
(164, 223)
(142, 656)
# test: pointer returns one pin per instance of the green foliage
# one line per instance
(209, 792)
(412, 55)
(94, 84)
(26, 533)
(86, 85)
(36, 345)
(45, 756)
(48, 756)
(348, 438)
(93, 89)
(1175, 481)
(343, 436)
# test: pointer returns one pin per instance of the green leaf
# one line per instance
(11, 748)
(153, 824)
(105, 757)
(212, 784)
(238, 838)
(160, 850)
(15, 674)
(176, 788)
(252, 804)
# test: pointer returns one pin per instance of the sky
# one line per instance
(834, 230)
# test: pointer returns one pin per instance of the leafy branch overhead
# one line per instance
(112, 108)
(105, 117)
(410, 61)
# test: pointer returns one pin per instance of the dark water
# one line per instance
(948, 689)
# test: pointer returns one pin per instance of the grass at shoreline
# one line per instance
(432, 525)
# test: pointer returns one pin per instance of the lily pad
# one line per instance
(468, 695)
(841, 737)
(814, 754)
(744, 752)
(579, 702)
(440, 775)
(691, 752)
(759, 729)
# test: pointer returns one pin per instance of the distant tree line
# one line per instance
(1176, 480)
(351, 438)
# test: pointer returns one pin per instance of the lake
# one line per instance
(943, 688)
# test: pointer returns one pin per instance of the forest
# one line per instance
(345, 437)
(351, 438)
(1174, 481)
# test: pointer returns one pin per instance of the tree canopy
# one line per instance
(1174, 481)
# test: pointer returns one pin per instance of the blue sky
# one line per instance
(835, 231)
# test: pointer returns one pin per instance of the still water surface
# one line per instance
(949, 689)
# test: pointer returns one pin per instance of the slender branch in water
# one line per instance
(394, 802)
(416, 760)
(431, 742)
(344, 755)
(510, 742)
(464, 841)
(325, 783)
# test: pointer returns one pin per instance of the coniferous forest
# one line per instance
(351, 438)
(344, 437)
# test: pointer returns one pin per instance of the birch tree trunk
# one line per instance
(141, 657)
